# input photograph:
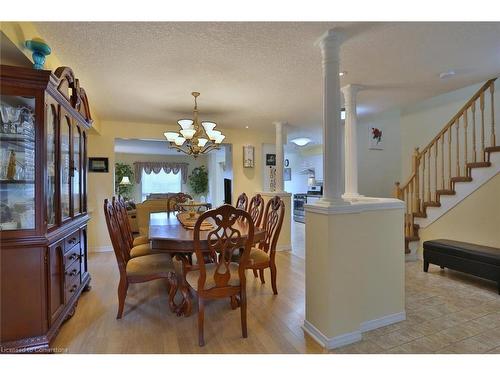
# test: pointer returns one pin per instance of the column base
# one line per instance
(327, 202)
(352, 196)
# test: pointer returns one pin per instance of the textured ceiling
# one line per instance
(250, 74)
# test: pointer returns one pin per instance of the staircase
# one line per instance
(457, 161)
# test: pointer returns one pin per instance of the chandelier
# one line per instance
(193, 139)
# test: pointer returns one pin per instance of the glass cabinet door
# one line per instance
(84, 171)
(77, 135)
(51, 131)
(17, 162)
(65, 166)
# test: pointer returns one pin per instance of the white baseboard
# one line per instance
(283, 247)
(383, 321)
(354, 336)
(332, 342)
(100, 249)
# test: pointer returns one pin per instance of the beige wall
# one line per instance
(476, 219)
(378, 170)
(101, 185)
(354, 269)
(131, 158)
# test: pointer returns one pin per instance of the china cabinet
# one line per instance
(45, 117)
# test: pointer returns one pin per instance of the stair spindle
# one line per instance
(473, 108)
(410, 212)
(481, 106)
(465, 144)
(416, 202)
(442, 162)
(457, 123)
(492, 91)
(449, 158)
(436, 170)
(429, 175)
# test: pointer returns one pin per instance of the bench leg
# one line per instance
(426, 266)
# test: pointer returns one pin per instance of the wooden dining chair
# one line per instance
(222, 278)
(256, 209)
(139, 240)
(263, 256)
(242, 202)
(135, 248)
(174, 200)
(139, 269)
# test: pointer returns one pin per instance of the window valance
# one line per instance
(157, 166)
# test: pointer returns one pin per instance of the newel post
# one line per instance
(397, 191)
(415, 171)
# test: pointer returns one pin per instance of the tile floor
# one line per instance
(447, 312)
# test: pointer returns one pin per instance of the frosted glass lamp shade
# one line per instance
(213, 134)
(171, 136)
(125, 181)
(179, 141)
(188, 133)
(219, 138)
(202, 142)
(208, 125)
(185, 123)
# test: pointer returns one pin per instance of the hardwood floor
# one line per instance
(447, 312)
(148, 326)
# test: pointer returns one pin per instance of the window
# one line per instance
(160, 183)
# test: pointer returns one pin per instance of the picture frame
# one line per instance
(375, 138)
(98, 165)
(287, 174)
(248, 156)
(270, 160)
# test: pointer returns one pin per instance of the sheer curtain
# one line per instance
(160, 182)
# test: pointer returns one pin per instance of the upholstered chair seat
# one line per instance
(150, 264)
(141, 250)
(193, 276)
(140, 240)
(258, 256)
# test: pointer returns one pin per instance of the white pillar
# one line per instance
(332, 134)
(351, 142)
(280, 187)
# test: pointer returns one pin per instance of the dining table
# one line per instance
(168, 235)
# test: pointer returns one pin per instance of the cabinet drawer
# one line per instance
(72, 240)
(71, 272)
(72, 287)
(72, 255)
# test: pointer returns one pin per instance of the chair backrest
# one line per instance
(174, 200)
(256, 209)
(122, 217)
(143, 211)
(119, 246)
(225, 238)
(242, 202)
(273, 220)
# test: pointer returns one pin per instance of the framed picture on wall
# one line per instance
(99, 165)
(270, 160)
(287, 174)
(248, 156)
(376, 138)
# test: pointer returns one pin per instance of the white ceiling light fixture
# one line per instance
(193, 138)
(447, 74)
(301, 141)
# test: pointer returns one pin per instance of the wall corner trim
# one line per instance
(383, 321)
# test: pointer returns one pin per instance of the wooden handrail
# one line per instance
(432, 172)
(450, 123)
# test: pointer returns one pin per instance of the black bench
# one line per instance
(477, 260)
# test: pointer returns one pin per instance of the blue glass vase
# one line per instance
(40, 49)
